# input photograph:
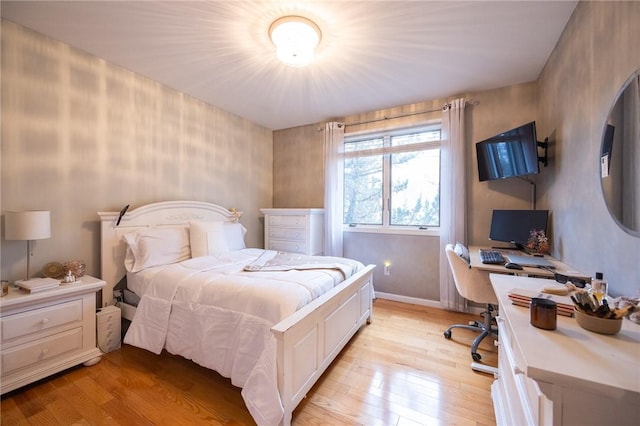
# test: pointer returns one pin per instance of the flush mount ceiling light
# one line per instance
(295, 39)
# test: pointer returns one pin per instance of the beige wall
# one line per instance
(298, 168)
(598, 51)
(595, 55)
(80, 135)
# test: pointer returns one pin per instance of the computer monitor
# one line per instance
(514, 226)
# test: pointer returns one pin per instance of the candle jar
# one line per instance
(543, 313)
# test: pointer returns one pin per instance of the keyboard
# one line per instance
(491, 256)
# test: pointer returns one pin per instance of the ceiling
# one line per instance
(373, 54)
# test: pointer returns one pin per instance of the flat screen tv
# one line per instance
(509, 154)
(514, 226)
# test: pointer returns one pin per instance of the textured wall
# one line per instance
(80, 135)
(298, 168)
(596, 54)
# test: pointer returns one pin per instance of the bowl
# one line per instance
(597, 324)
(77, 267)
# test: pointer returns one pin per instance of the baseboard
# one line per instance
(419, 301)
(407, 299)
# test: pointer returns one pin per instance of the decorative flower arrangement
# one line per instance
(538, 242)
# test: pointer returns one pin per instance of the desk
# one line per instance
(562, 268)
(568, 376)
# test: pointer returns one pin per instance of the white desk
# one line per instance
(560, 267)
(567, 376)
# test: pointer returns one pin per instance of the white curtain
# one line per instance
(453, 209)
(333, 187)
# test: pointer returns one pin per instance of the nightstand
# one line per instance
(47, 332)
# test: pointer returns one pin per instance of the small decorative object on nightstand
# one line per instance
(48, 331)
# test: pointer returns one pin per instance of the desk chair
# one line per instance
(473, 284)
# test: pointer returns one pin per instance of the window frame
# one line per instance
(386, 227)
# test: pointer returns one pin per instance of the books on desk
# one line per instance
(523, 297)
(35, 285)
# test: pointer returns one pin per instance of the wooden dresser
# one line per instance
(47, 332)
(294, 230)
(567, 376)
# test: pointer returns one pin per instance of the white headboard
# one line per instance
(166, 213)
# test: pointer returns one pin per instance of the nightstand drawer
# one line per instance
(41, 351)
(291, 221)
(41, 319)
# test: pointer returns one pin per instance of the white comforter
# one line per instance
(218, 312)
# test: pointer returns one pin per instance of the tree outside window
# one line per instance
(393, 180)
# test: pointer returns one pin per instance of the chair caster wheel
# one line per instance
(476, 356)
(447, 334)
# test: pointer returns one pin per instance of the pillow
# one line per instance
(463, 252)
(207, 238)
(156, 246)
(234, 235)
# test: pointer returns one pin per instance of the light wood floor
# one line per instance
(399, 370)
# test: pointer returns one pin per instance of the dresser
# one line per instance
(294, 230)
(47, 332)
(567, 376)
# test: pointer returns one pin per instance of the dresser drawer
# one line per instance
(41, 351)
(38, 320)
(290, 246)
(291, 221)
(287, 234)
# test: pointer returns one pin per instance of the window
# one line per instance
(392, 180)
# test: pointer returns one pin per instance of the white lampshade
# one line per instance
(27, 225)
(295, 39)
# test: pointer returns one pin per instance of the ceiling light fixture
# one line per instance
(295, 39)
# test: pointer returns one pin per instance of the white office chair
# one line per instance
(473, 284)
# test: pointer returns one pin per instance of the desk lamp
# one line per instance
(27, 225)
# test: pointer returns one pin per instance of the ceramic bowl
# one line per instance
(598, 325)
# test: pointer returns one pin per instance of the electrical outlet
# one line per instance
(387, 269)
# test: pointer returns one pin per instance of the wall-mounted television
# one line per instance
(515, 226)
(510, 154)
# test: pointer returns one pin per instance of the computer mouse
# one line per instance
(510, 265)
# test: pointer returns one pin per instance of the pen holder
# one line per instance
(543, 313)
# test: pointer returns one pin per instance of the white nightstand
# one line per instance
(47, 332)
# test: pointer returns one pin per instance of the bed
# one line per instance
(274, 346)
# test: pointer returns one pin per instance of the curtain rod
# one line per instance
(393, 117)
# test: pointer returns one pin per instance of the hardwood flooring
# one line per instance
(399, 370)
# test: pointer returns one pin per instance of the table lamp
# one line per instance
(27, 225)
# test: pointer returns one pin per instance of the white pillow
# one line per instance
(207, 238)
(156, 246)
(234, 235)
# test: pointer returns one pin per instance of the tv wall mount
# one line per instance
(544, 159)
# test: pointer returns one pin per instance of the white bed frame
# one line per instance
(307, 341)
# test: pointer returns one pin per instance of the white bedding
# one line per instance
(212, 311)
